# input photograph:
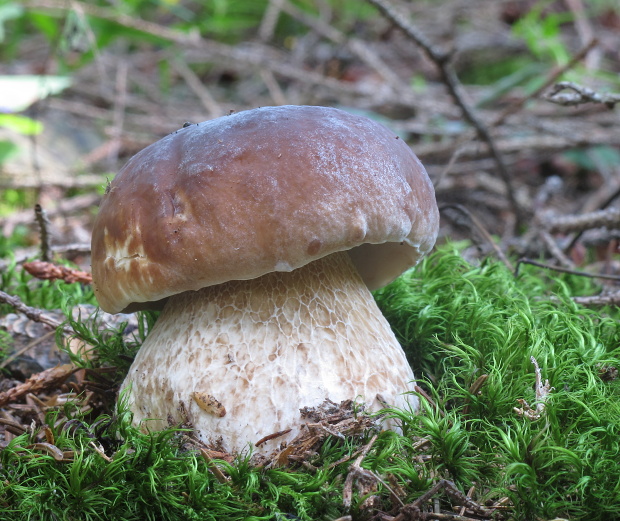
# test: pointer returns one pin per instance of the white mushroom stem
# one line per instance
(240, 359)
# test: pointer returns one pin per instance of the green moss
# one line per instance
(457, 322)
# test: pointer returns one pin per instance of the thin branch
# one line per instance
(357, 46)
(26, 348)
(198, 87)
(608, 299)
(609, 218)
(553, 76)
(276, 93)
(525, 260)
(478, 225)
(268, 24)
(555, 251)
(48, 379)
(578, 95)
(103, 13)
(120, 107)
(44, 223)
(608, 200)
(449, 77)
(49, 271)
(38, 315)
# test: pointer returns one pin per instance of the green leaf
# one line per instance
(7, 149)
(20, 124)
(19, 92)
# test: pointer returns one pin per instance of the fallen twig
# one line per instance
(578, 95)
(525, 260)
(26, 348)
(414, 511)
(553, 76)
(49, 271)
(542, 393)
(48, 379)
(365, 481)
(443, 60)
(38, 315)
(44, 224)
(608, 299)
(478, 225)
(219, 475)
(555, 251)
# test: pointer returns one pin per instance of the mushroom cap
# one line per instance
(264, 190)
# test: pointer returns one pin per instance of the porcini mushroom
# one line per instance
(260, 233)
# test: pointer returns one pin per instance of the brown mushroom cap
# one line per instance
(269, 189)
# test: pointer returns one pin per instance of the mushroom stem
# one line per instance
(241, 358)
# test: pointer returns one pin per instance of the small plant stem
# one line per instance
(219, 475)
(44, 224)
(525, 260)
(478, 225)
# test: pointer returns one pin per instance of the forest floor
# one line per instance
(510, 105)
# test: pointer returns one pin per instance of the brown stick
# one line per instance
(49, 271)
(38, 315)
(44, 223)
(525, 260)
(478, 225)
(555, 74)
(272, 436)
(449, 77)
(50, 378)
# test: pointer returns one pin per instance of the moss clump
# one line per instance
(457, 323)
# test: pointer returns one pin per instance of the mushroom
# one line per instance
(260, 234)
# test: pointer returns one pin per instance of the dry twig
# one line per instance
(443, 60)
(542, 393)
(553, 76)
(44, 224)
(607, 299)
(38, 315)
(610, 218)
(414, 511)
(578, 95)
(49, 271)
(525, 260)
(478, 225)
(48, 379)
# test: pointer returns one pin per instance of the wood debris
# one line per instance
(328, 419)
(542, 393)
(48, 379)
(50, 271)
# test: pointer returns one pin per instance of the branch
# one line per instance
(448, 75)
(38, 315)
(525, 260)
(44, 224)
(609, 218)
(578, 95)
(553, 76)
(49, 271)
(483, 231)
(608, 299)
